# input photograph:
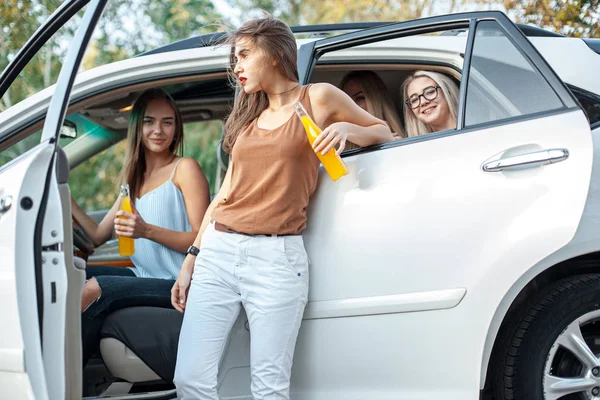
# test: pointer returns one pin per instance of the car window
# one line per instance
(200, 143)
(94, 183)
(26, 144)
(502, 82)
(590, 103)
(437, 54)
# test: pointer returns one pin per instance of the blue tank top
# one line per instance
(164, 207)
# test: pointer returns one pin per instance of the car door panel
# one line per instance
(435, 192)
(24, 180)
(75, 270)
(419, 218)
(54, 282)
(32, 234)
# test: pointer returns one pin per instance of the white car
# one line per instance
(458, 265)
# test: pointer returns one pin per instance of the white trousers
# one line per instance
(268, 276)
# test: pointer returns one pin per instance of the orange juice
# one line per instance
(331, 161)
(126, 245)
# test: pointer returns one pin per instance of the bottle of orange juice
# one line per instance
(126, 245)
(332, 162)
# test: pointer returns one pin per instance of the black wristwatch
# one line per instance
(193, 250)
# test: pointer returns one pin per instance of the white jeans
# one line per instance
(269, 277)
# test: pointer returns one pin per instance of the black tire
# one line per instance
(519, 372)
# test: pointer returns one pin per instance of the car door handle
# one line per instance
(533, 159)
(5, 203)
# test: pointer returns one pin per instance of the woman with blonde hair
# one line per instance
(249, 251)
(369, 92)
(431, 100)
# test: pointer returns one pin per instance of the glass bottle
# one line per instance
(126, 244)
(331, 161)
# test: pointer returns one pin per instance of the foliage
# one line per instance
(578, 18)
(130, 27)
(18, 21)
(301, 12)
(94, 183)
(201, 140)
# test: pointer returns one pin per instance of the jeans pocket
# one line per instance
(208, 237)
(294, 254)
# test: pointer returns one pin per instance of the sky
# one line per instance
(225, 9)
(438, 7)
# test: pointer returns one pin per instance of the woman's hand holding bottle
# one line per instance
(332, 135)
(130, 225)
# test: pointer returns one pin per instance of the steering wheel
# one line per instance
(81, 240)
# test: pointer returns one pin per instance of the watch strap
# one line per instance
(193, 250)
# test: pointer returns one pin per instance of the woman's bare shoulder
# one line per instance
(188, 168)
(320, 91)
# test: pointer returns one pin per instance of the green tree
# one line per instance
(94, 183)
(19, 19)
(201, 140)
(130, 27)
(577, 18)
(301, 12)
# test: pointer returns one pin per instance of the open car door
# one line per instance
(35, 240)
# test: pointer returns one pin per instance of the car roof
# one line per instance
(315, 31)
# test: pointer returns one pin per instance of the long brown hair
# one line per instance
(135, 159)
(379, 101)
(276, 39)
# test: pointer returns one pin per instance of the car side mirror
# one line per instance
(68, 130)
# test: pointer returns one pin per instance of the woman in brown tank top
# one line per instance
(252, 254)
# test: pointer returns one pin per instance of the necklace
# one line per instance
(287, 91)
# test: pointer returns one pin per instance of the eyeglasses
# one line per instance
(429, 93)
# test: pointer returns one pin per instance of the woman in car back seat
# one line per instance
(431, 101)
(252, 254)
(170, 195)
(369, 92)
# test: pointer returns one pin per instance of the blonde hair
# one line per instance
(135, 159)
(414, 127)
(379, 102)
(276, 39)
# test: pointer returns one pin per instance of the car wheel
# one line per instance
(552, 352)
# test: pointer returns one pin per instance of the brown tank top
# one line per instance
(274, 174)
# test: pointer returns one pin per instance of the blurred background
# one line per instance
(131, 27)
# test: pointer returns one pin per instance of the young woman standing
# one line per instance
(252, 253)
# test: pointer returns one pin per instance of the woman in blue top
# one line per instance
(170, 195)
